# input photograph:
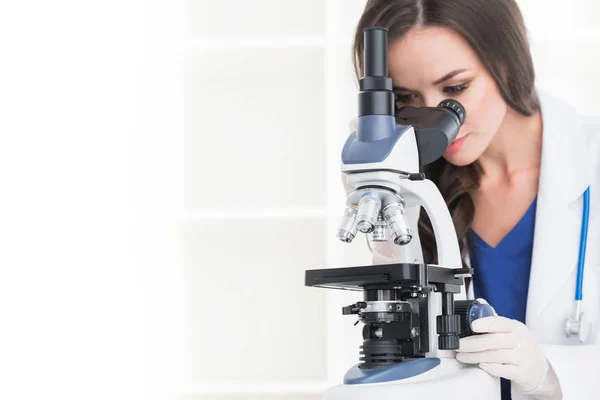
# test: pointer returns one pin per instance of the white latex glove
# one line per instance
(507, 349)
(353, 124)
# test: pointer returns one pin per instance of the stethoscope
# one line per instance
(577, 324)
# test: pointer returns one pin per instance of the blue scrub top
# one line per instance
(501, 273)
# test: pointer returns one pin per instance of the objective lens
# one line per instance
(347, 229)
(368, 210)
(398, 225)
(380, 234)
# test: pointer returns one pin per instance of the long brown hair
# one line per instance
(496, 31)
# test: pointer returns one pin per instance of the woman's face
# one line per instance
(431, 64)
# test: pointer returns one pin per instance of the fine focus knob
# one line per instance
(456, 107)
(448, 329)
(450, 342)
(469, 311)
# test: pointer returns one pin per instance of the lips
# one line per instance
(456, 144)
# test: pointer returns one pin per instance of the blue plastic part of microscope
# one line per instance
(374, 139)
(478, 310)
(404, 370)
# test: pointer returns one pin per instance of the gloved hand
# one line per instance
(507, 349)
(353, 124)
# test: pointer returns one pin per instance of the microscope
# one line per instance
(413, 314)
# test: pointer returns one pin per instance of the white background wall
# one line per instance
(170, 170)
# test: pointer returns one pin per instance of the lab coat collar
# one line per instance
(564, 176)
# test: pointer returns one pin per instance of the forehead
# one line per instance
(426, 54)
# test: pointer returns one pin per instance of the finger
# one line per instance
(509, 372)
(494, 325)
(353, 125)
(504, 356)
(487, 341)
(484, 301)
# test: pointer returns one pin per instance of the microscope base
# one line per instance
(450, 380)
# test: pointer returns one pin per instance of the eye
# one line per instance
(405, 98)
(455, 89)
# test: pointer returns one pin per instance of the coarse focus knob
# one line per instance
(456, 107)
(448, 329)
(448, 324)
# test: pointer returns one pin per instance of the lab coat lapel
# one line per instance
(563, 178)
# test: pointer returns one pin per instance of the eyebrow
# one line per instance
(444, 78)
(449, 76)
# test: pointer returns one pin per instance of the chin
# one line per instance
(460, 158)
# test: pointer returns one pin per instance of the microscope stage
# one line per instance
(386, 276)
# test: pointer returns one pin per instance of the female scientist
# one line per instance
(521, 182)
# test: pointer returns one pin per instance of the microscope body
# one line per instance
(413, 313)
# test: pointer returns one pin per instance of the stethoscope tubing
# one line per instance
(583, 244)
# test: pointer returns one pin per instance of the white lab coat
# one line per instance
(570, 163)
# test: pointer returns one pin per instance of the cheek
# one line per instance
(485, 111)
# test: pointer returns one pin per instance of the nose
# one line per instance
(432, 100)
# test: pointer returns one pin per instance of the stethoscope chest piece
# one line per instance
(580, 326)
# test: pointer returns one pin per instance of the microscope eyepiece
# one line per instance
(456, 108)
(376, 62)
(376, 96)
(435, 127)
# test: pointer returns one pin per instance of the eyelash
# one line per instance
(456, 89)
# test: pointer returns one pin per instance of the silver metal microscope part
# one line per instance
(347, 229)
(369, 207)
(398, 225)
(385, 306)
(414, 332)
(574, 323)
(380, 234)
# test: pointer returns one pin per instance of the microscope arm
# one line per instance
(425, 192)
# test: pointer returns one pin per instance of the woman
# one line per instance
(513, 181)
